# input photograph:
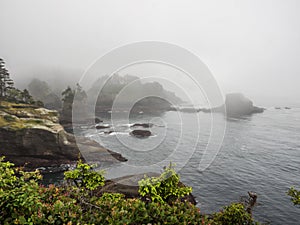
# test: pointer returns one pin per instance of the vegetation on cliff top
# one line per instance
(24, 201)
(18, 109)
(17, 116)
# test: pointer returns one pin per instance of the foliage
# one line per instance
(165, 188)
(295, 196)
(23, 201)
(6, 83)
(42, 93)
(233, 214)
(72, 98)
(7, 90)
(85, 177)
(18, 193)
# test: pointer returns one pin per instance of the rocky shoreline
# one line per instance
(32, 137)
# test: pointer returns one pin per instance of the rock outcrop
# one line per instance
(237, 105)
(128, 185)
(33, 136)
(140, 133)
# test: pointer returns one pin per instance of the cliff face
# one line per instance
(33, 136)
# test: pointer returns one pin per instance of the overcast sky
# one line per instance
(250, 46)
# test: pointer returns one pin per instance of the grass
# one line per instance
(16, 116)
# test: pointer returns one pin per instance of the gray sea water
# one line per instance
(259, 153)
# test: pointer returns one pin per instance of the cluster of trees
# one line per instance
(7, 90)
(41, 91)
(73, 99)
(112, 86)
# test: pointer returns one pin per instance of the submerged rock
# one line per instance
(140, 133)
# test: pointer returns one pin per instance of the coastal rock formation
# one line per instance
(236, 105)
(102, 127)
(128, 185)
(140, 133)
(33, 136)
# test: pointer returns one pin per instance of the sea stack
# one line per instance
(238, 105)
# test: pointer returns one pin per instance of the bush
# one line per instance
(18, 193)
(165, 188)
(295, 196)
(85, 177)
(23, 201)
(233, 214)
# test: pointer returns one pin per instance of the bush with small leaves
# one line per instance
(23, 201)
(165, 188)
(83, 176)
(233, 214)
(19, 197)
(295, 196)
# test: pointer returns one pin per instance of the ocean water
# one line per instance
(259, 153)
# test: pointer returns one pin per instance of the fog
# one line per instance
(251, 46)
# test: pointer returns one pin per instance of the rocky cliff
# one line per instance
(33, 136)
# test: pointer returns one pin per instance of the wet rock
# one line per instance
(140, 133)
(128, 185)
(108, 132)
(97, 120)
(102, 126)
(39, 141)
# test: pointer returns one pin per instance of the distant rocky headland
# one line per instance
(235, 105)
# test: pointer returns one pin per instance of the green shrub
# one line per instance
(233, 214)
(23, 201)
(19, 197)
(85, 177)
(165, 188)
(135, 211)
(295, 196)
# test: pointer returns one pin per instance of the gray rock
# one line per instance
(140, 133)
(39, 141)
(128, 185)
(236, 105)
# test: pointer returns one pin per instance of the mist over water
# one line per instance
(250, 46)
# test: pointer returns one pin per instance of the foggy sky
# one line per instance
(250, 46)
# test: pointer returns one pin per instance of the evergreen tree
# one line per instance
(26, 97)
(5, 80)
(7, 90)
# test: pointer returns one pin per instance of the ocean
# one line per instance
(259, 153)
